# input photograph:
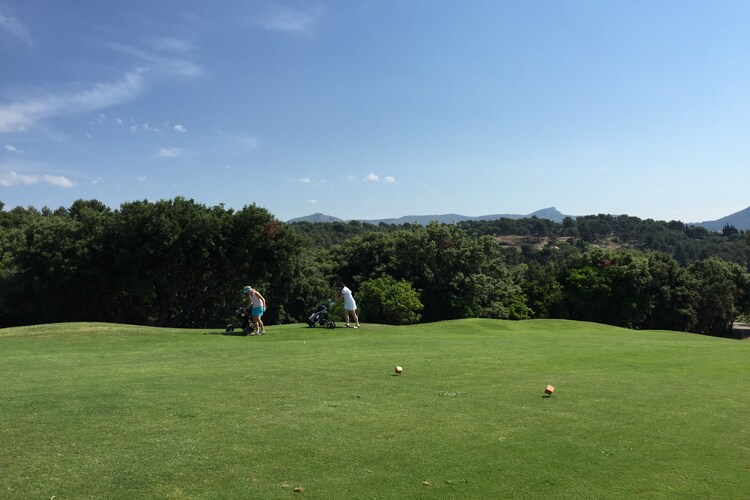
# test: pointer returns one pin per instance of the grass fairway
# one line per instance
(113, 411)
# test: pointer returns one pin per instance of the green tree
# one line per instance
(606, 287)
(542, 290)
(723, 289)
(586, 293)
(180, 263)
(170, 263)
(630, 303)
(459, 276)
(306, 286)
(12, 240)
(168, 260)
(55, 279)
(674, 296)
(390, 301)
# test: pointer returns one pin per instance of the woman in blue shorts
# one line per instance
(256, 303)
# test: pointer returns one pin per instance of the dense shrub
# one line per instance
(386, 300)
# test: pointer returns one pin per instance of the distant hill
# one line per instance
(740, 220)
(546, 213)
(550, 213)
(317, 217)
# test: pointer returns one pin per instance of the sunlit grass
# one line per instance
(112, 411)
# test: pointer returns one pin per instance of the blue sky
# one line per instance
(379, 108)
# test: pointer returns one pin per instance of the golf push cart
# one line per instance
(243, 317)
(320, 318)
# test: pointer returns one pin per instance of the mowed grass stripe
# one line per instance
(97, 410)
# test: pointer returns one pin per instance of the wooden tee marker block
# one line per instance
(549, 390)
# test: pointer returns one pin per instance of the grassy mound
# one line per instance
(114, 411)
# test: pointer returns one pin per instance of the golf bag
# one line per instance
(320, 318)
(243, 317)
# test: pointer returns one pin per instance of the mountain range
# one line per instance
(740, 220)
(546, 213)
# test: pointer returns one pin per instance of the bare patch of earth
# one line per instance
(535, 241)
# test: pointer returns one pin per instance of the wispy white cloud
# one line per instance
(13, 26)
(172, 44)
(239, 142)
(179, 128)
(283, 18)
(13, 178)
(311, 181)
(312, 202)
(141, 178)
(16, 179)
(101, 118)
(58, 180)
(169, 65)
(146, 127)
(22, 115)
(12, 149)
(373, 177)
(170, 153)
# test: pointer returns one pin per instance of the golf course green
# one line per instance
(93, 410)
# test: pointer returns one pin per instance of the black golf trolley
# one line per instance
(320, 318)
(243, 317)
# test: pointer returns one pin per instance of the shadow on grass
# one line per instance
(230, 334)
(302, 327)
(239, 333)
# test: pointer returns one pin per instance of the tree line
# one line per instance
(181, 263)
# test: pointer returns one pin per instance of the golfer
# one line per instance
(350, 306)
(256, 304)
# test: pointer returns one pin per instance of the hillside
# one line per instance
(740, 220)
(316, 217)
(550, 213)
